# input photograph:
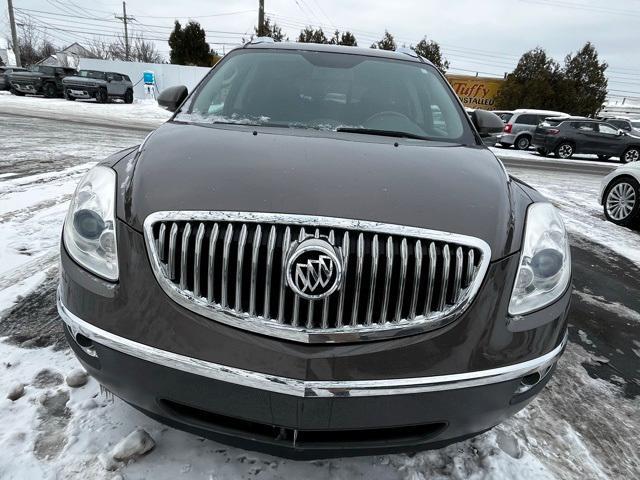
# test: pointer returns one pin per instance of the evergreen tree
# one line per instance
(431, 51)
(386, 43)
(270, 30)
(346, 39)
(535, 83)
(586, 83)
(189, 45)
(310, 35)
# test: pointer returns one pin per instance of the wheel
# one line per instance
(604, 157)
(101, 96)
(622, 201)
(631, 155)
(522, 143)
(542, 152)
(564, 150)
(50, 90)
(16, 92)
(128, 96)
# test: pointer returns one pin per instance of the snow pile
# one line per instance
(141, 114)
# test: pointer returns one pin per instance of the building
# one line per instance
(67, 57)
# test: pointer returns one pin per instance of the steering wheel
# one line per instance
(388, 113)
(390, 120)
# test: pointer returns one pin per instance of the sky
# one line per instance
(477, 36)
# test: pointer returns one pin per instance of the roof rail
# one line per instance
(409, 51)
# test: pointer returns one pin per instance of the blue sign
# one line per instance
(148, 77)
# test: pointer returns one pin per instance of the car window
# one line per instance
(584, 126)
(623, 124)
(506, 117)
(527, 119)
(46, 70)
(326, 91)
(608, 129)
(117, 77)
(126, 78)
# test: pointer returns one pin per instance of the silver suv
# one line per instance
(102, 86)
(518, 130)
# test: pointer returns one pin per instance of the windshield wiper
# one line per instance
(384, 133)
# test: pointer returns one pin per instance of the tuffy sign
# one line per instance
(476, 92)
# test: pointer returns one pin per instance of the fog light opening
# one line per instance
(528, 382)
(86, 344)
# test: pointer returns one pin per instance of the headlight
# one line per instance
(89, 229)
(545, 261)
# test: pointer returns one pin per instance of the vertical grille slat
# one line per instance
(358, 273)
(255, 252)
(162, 234)
(197, 259)
(375, 254)
(173, 236)
(444, 285)
(325, 302)
(433, 259)
(404, 261)
(271, 245)
(457, 277)
(416, 279)
(184, 253)
(213, 241)
(345, 272)
(389, 279)
(242, 241)
(226, 248)
(470, 266)
(286, 242)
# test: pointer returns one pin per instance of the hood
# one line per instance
(83, 80)
(432, 185)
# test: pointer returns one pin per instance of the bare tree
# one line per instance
(140, 51)
(28, 39)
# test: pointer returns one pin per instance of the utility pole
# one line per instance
(125, 19)
(261, 32)
(14, 33)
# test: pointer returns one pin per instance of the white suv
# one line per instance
(518, 131)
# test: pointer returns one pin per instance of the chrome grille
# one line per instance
(230, 267)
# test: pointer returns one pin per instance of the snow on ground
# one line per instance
(143, 114)
(576, 195)
(513, 154)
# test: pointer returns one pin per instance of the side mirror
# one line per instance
(486, 122)
(171, 98)
(620, 132)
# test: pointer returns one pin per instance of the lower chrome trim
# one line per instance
(304, 388)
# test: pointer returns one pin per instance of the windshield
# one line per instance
(635, 123)
(330, 91)
(92, 74)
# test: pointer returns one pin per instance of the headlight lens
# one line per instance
(89, 229)
(545, 261)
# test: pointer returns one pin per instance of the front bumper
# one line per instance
(408, 393)
(80, 90)
(25, 87)
(305, 419)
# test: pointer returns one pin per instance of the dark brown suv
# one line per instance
(316, 256)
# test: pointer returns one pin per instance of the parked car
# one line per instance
(620, 195)
(624, 124)
(304, 261)
(505, 115)
(99, 85)
(567, 136)
(4, 75)
(489, 140)
(518, 130)
(39, 80)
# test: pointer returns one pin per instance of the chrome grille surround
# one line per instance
(273, 314)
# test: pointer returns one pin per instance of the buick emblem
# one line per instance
(314, 269)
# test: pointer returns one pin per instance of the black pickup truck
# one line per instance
(39, 80)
